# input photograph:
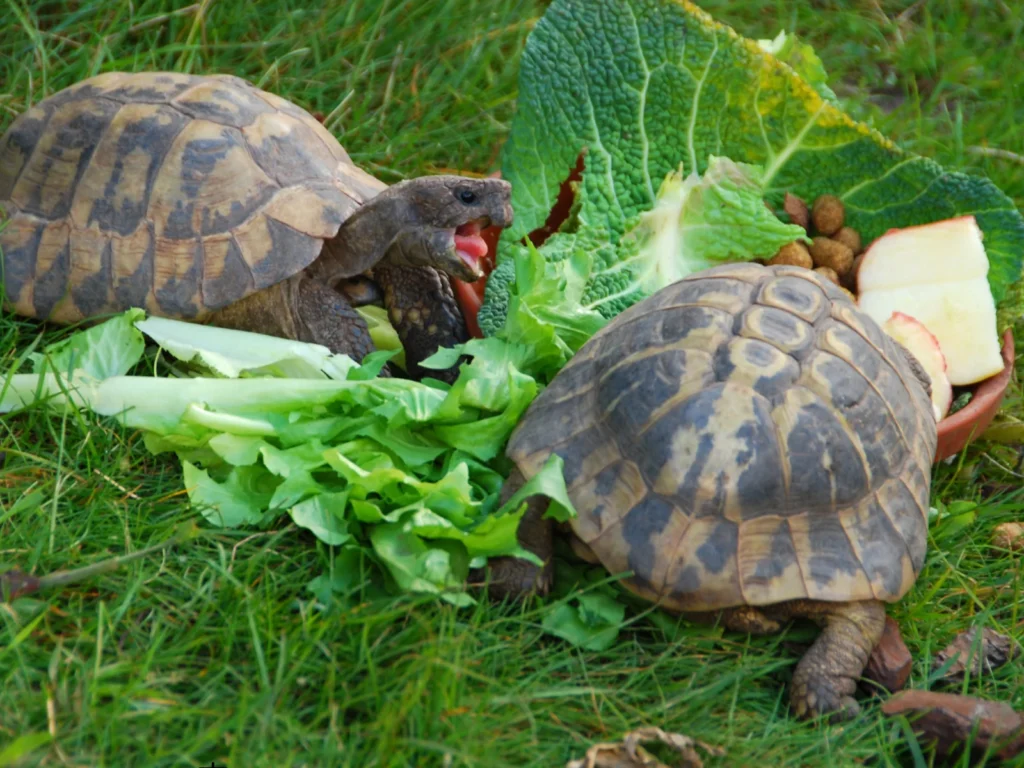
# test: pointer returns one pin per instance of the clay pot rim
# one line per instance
(986, 392)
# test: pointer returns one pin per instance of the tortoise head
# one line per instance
(443, 217)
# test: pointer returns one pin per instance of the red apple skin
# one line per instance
(942, 390)
(903, 317)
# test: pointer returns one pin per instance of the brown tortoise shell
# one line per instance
(176, 193)
(743, 436)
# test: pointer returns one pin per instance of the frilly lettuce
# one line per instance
(409, 471)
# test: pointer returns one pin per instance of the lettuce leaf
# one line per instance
(111, 348)
(265, 427)
(644, 87)
(244, 353)
(696, 223)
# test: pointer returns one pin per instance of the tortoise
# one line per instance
(207, 199)
(753, 449)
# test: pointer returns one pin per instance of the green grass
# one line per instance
(216, 651)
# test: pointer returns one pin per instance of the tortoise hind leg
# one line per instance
(422, 307)
(512, 576)
(826, 677)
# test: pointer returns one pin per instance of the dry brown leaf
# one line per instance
(995, 650)
(629, 753)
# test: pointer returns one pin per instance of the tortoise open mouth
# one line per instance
(470, 246)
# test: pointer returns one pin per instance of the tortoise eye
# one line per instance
(467, 196)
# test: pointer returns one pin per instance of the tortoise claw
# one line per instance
(515, 578)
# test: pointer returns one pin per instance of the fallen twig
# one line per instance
(15, 583)
(1002, 154)
(951, 721)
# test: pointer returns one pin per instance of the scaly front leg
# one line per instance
(422, 307)
(304, 310)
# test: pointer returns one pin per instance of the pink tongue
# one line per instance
(469, 243)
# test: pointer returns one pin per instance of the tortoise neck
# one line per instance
(364, 238)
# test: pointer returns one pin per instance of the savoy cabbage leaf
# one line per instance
(801, 57)
(644, 87)
(697, 222)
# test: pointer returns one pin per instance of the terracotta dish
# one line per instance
(957, 430)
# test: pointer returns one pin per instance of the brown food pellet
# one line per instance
(826, 252)
(797, 211)
(849, 237)
(855, 269)
(828, 214)
(795, 254)
(829, 273)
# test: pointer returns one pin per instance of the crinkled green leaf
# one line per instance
(699, 222)
(696, 222)
(239, 450)
(646, 86)
(494, 536)
(408, 470)
(545, 311)
(366, 511)
(802, 58)
(302, 430)
(110, 348)
(297, 486)
(592, 623)
(440, 569)
(382, 332)
(593, 607)
(412, 448)
(411, 406)
(550, 482)
(236, 501)
(324, 516)
(371, 365)
(482, 384)
(600, 610)
(485, 438)
(288, 461)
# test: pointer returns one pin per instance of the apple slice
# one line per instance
(925, 347)
(937, 274)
